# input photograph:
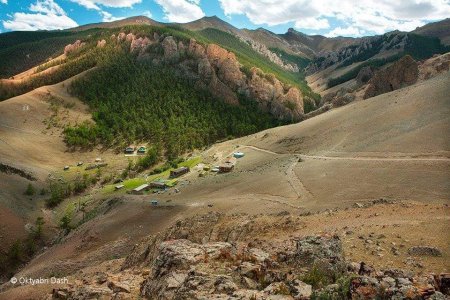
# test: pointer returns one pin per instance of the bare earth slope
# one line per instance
(408, 122)
(394, 145)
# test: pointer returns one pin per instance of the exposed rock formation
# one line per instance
(365, 48)
(170, 48)
(101, 44)
(364, 75)
(434, 66)
(73, 47)
(219, 71)
(402, 73)
(215, 256)
(273, 57)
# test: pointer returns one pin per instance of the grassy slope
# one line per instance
(20, 51)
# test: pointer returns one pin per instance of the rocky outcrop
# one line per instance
(339, 98)
(140, 45)
(216, 69)
(402, 73)
(217, 256)
(101, 44)
(73, 47)
(434, 66)
(273, 57)
(170, 48)
(186, 270)
(364, 75)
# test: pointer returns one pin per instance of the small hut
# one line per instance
(142, 150)
(141, 189)
(129, 150)
(178, 172)
(158, 184)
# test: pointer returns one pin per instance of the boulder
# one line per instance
(180, 254)
(319, 247)
(301, 290)
(170, 48)
(258, 255)
(424, 251)
(118, 287)
(277, 288)
(224, 284)
(101, 44)
(205, 70)
(140, 45)
(175, 280)
(250, 270)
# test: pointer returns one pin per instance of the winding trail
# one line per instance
(303, 193)
(269, 198)
(304, 156)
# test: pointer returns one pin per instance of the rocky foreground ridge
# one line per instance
(213, 68)
(217, 257)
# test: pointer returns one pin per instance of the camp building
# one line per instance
(178, 172)
(141, 189)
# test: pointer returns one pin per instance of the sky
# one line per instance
(330, 18)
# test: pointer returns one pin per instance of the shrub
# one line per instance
(30, 191)
(64, 223)
(318, 277)
(150, 159)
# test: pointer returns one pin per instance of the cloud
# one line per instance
(312, 23)
(348, 31)
(47, 7)
(353, 17)
(107, 17)
(181, 11)
(94, 4)
(4, 1)
(44, 15)
(147, 13)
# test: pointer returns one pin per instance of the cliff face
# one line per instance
(216, 69)
(402, 73)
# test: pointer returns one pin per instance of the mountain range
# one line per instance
(142, 159)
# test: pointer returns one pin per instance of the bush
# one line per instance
(64, 223)
(58, 191)
(318, 277)
(30, 191)
(150, 159)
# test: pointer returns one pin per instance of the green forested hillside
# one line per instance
(20, 51)
(139, 101)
